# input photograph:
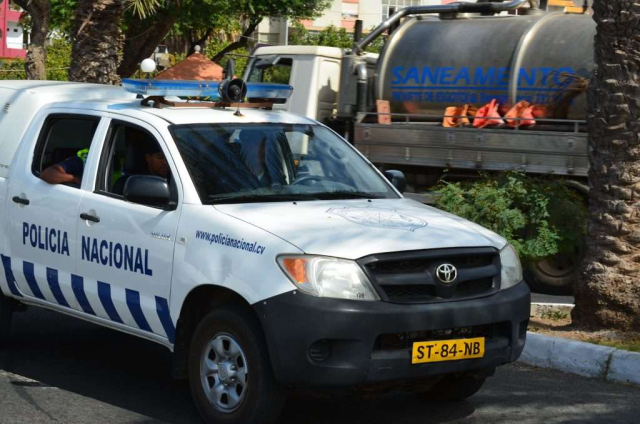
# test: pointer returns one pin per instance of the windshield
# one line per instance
(231, 163)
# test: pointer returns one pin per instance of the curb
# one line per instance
(544, 310)
(581, 358)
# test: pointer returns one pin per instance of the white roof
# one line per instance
(189, 115)
(332, 52)
(177, 115)
(66, 90)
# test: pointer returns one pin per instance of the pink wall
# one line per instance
(6, 16)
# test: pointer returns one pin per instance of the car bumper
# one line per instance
(299, 328)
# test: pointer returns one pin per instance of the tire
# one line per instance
(556, 274)
(455, 388)
(5, 317)
(548, 278)
(248, 392)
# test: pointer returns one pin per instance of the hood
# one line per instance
(352, 229)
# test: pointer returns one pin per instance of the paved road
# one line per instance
(62, 370)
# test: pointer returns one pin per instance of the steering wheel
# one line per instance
(309, 178)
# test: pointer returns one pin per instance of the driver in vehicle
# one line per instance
(156, 161)
(253, 144)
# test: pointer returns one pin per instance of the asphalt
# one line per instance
(61, 370)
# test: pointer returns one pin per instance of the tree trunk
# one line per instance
(242, 42)
(608, 289)
(143, 36)
(35, 62)
(97, 41)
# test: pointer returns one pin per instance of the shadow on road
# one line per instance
(134, 375)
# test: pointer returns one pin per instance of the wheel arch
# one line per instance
(196, 305)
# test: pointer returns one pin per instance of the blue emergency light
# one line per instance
(275, 93)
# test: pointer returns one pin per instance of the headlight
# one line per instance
(511, 268)
(328, 277)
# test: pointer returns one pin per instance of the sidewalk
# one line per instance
(581, 358)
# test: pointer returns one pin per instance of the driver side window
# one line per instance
(130, 151)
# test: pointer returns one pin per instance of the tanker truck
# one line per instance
(391, 106)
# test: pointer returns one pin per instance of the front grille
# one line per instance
(410, 277)
(469, 288)
(409, 292)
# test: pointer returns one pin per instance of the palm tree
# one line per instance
(97, 38)
(608, 291)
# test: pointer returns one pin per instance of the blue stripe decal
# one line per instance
(77, 284)
(6, 263)
(165, 318)
(30, 276)
(133, 301)
(52, 279)
(104, 292)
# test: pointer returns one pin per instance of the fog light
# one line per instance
(320, 351)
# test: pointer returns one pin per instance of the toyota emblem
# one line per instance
(447, 273)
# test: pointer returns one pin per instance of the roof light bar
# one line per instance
(276, 93)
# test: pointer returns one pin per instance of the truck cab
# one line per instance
(313, 70)
(258, 246)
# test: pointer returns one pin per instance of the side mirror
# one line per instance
(397, 179)
(147, 190)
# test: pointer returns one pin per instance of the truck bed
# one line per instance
(559, 147)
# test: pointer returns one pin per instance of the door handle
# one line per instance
(88, 217)
(20, 200)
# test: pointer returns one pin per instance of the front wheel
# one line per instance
(229, 370)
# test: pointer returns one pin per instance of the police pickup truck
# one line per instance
(258, 246)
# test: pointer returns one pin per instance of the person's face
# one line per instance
(158, 165)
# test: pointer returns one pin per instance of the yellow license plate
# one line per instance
(447, 350)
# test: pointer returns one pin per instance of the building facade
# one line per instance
(12, 36)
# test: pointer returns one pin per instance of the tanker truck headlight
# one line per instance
(511, 268)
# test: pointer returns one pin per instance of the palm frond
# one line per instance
(143, 8)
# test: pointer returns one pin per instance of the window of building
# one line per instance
(349, 10)
(397, 5)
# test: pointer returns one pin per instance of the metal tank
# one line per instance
(431, 63)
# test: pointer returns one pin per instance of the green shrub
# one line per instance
(539, 217)
(58, 59)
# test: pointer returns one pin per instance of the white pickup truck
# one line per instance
(264, 251)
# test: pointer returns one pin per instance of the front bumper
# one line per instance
(294, 321)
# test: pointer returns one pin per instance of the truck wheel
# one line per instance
(454, 388)
(553, 275)
(229, 370)
(5, 317)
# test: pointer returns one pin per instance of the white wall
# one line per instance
(331, 16)
(14, 35)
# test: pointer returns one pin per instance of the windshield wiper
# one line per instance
(347, 194)
(257, 198)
